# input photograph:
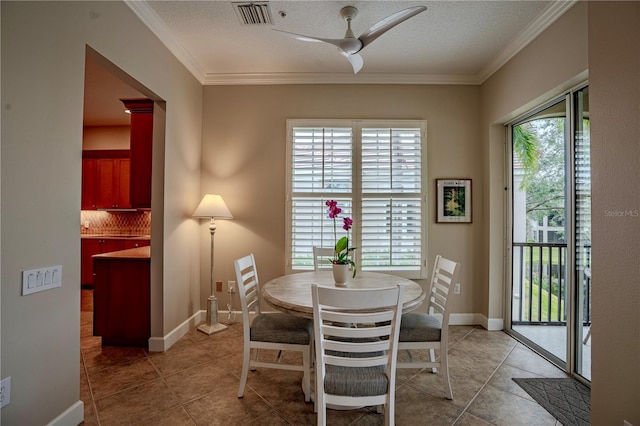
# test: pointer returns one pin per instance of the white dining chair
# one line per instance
(430, 331)
(322, 258)
(355, 367)
(276, 331)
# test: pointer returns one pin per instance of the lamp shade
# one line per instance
(212, 206)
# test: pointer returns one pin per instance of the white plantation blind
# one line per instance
(391, 219)
(391, 160)
(375, 172)
(322, 159)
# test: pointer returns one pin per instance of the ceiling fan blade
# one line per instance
(387, 23)
(348, 45)
(335, 42)
(356, 61)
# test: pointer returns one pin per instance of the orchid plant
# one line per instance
(342, 249)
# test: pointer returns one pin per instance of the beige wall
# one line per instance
(614, 95)
(243, 159)
(105, 137)
(548, 66)
(43, 57)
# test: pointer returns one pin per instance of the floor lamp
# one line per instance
(212, 207)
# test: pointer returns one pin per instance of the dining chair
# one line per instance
(276, 331)
(356, 367)
(321, 257)
(430, 331)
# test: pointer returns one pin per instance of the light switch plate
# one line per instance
(35, 280)
(5, 391)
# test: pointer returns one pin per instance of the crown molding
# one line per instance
(334, 78)
(546, 18)
(157, 27)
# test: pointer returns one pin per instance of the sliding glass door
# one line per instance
(582, 236)
(550, 231)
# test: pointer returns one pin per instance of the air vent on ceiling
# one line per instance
(253, 13)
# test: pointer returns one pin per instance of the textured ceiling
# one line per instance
(459, 41)
(452, 42)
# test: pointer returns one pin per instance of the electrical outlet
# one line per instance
(231, 286)
(456, 288)
(5, 391)
(218, 285)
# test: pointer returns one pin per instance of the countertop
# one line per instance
(115, 237)
(140, 253)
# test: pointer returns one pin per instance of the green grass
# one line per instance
(555, 306)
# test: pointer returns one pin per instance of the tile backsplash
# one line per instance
(118, 223)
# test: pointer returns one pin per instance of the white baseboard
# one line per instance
(74, 415)
(161, 344)
(492, 324)
(463, 319)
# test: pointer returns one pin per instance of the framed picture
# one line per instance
(453, 200)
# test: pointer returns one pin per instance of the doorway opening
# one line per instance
(119, 192)
(550, 231)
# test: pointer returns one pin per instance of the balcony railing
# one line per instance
(539, 283)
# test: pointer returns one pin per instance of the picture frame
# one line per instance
(453, 200)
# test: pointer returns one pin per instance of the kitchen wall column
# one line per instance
(141, 149)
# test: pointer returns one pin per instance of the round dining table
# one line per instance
(292, 293)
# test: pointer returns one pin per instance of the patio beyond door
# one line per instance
(550, 232)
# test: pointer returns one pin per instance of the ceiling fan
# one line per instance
(350, 46)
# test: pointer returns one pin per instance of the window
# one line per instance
(375, 170)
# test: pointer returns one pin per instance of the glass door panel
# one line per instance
(550, 239)
(582, 240)
(539, 246)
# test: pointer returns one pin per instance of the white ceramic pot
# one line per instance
(341, 274)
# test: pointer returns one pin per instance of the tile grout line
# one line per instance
(484, 385)
(93, 400)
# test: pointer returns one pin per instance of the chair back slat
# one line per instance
(375, 361)
(364, 332)
(444, 275)
(322, 258)
(356, 347)
(248, 286)
(353, 300)
(363, 318)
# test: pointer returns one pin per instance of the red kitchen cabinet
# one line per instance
(89, 247)
(130, 243)
(106, 177)
(122, 298)
(113, 183)
(89, 179)
(92, 246)
(141, 140)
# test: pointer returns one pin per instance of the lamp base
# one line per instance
(211, 328)
(212, 325)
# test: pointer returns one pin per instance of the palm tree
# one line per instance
(525, 146)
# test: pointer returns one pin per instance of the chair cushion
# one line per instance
(420, 327)
(355, 381)
(281, 328)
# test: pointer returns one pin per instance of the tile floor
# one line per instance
(196, 380)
